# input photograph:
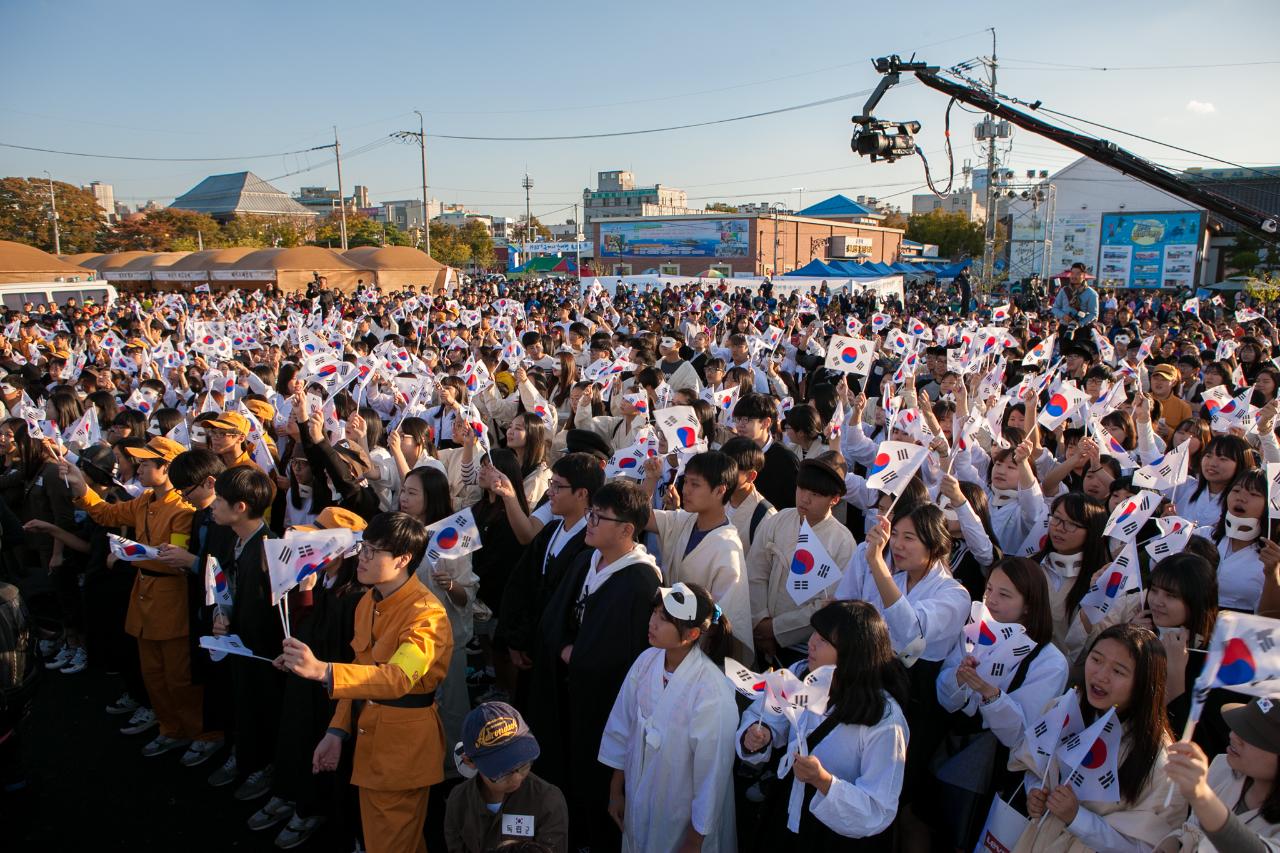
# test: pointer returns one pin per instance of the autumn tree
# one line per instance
(479, 243)
(721, 207)
(165, 230)
(538, 230)
(24, 215)
(262, 232)
(448, 246)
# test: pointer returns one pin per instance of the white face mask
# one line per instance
(1242, 529)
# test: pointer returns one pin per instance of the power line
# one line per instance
(805, 106)
(162, 159)
(1070, 67)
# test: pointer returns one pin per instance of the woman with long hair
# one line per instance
(425, 495)
(1016, 501)
(670, 734)
(1016, 593)
(529, 438)
(1074, 551)
(973, 548)
(566, 377)
(1244, 525)
(1202, 498)
(847, 783)
(1124, 670)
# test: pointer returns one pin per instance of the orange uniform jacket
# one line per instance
(158, 604)
(402, 645)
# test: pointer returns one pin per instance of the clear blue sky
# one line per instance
(237, 78)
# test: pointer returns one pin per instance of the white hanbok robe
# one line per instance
(717, 564)
(867, 763)
(674, 744)
(1240, 576)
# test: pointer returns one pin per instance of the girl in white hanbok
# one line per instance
(671, 732)
(846, 764)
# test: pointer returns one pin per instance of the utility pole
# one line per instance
(527, 183)
(342, 202)
(577, 241)
(989, 243)
(53, 217)
(426, 216)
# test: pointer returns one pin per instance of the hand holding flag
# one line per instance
(812, 569)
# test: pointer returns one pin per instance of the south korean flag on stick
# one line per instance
(455, 536)
(812, 569)
(1060, 721)
(1130, 514)
(997, 646)
(1175, 533)
(130, 551)
(1117, 580)
(1166, 471)
(1244, 656)
(850, 355)
(1090, 760)
(680, 427)
(894, 465)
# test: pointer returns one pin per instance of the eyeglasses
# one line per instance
(553, 486)
(1064, 523)
(594, 518)
(367, 550)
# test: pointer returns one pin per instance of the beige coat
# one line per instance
(717, 564)
(769, 564)
(742, 515)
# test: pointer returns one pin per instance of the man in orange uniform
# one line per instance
(228, 437)
(158, 604)
(387, 696)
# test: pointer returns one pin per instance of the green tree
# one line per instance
(721, 207)
(895, 219)
(165, 230)
(1246, 253)
(479, 243)
(954, 235)
(24, 215)
(447, 245)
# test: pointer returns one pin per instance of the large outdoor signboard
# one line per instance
(676, 238)
(1149, 250)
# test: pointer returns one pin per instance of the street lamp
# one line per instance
(801, 191)
(53, 216)
(527, 183)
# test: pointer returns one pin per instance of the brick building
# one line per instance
(745, 244)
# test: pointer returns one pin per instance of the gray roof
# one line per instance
(238, 193)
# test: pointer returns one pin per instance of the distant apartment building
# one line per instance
(617, 195)
(105, 195)
(406, 214)
(969, 202)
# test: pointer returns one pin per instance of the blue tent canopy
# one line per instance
(816, 269)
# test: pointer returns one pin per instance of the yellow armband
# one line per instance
(411, 659)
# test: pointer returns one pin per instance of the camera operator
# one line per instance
(1076, 305)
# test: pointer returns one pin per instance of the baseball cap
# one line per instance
(1165, 371)
(158, 447)
(262, 410)
(230, 421)
(1257, 723)
(334, 518)
(497, 740)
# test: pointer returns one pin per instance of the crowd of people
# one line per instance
(583, 516)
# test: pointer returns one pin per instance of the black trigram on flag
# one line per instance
(1263, 639)
(464, 541)
(1106, 780)
(1071, 742)
(1007, 631)
(997, 670)
(801, 584)
(1020, 651)
(888, 477)
(744, 674)
(670, 421)
(433, 555)
(903, 454)
(1041, 729)
(306, 550)
(802, 538)
(1077, 778)
(1160, 549)
(800, 699)
(286, 555)
(824, 570)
